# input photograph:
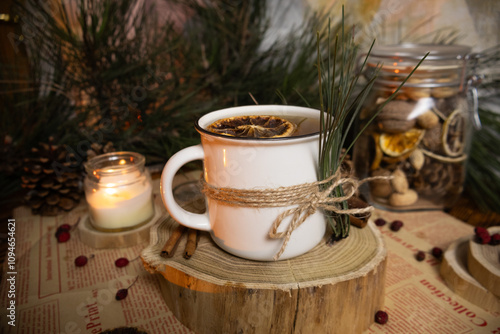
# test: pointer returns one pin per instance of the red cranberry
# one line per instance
(495, 239)
(483, 238)
(480, 230)
(396, 225)
(437, 252)
(381, 317)
(121, 294)
(81, 260)
(64, 227)
(420, 256)
(63, 236)
(380, 222)
(121, 262)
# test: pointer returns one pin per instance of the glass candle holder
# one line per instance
(118, 191)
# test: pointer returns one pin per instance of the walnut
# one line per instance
(432, 139)
(393, 118)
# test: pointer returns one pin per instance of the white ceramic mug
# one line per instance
(245, 163)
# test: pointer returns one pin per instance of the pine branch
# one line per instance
(340, 103)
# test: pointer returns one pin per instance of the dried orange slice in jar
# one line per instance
(453, 134)
(253, 127)
(397, 144)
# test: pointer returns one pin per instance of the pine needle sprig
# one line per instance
(337, 81)
(341, 100)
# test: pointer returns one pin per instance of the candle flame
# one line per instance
(109, 188)
(122, 162)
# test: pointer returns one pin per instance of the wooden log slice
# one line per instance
(331, 289)
(456, 275)
(484, 263)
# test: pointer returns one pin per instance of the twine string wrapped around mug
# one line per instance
(306, 198)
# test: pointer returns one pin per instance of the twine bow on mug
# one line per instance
(306, 198)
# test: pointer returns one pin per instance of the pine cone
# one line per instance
(53, 178)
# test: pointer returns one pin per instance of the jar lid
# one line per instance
(445, 65)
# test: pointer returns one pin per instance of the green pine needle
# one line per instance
(340, 103)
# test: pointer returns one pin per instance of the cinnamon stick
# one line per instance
(172, 242)
(192, 241)
(359, 220)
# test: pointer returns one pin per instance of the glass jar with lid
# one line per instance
(420, 140)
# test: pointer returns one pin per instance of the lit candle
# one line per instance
(119, 197)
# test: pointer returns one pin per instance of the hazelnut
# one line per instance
(428, 120)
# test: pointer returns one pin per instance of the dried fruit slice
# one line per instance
(453, 132)
(397, 144)
(253, 127)
(377, 159)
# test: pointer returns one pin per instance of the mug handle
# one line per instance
(192, 220)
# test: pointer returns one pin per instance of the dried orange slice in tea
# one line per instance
(253, 127)
(397, 144)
